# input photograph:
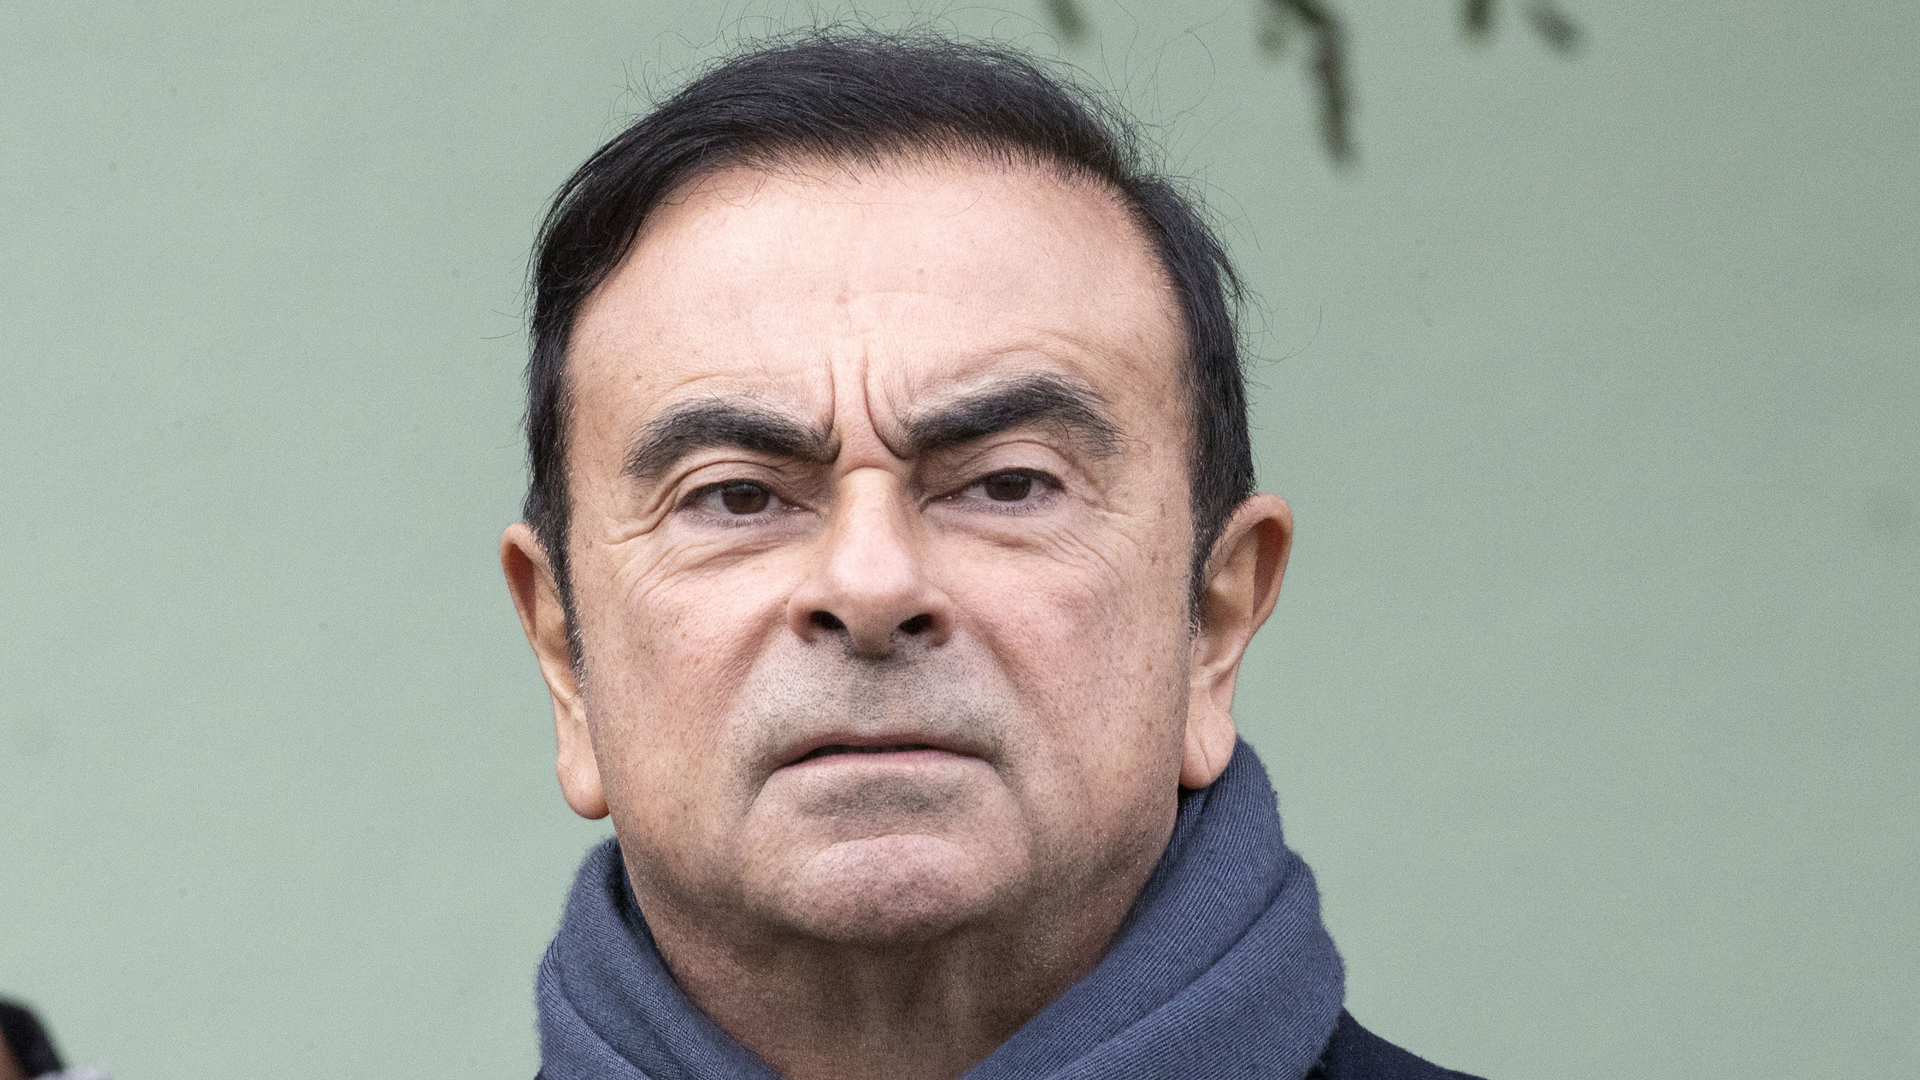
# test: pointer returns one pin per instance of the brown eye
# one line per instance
(1007, 486)
(743, 498)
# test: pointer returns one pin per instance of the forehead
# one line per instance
(814, 283)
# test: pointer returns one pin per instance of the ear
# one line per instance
(537, 597)
(1241, 583)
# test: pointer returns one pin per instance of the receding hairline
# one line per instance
(916, 150)
(826, 166)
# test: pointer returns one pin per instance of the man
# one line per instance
(890, 552)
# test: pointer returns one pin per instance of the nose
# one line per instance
(869, 583)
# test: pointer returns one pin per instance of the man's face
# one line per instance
(880, 546)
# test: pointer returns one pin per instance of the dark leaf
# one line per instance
(1554, 26)
(1476, 18)
(1068, 21)
(1329, 74)
(1276, 31)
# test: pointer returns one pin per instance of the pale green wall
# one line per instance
(1591, 696)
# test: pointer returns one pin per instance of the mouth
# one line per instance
(877, 751)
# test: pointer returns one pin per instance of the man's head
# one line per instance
(889, 549)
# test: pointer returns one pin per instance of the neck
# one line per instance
(922, 1010)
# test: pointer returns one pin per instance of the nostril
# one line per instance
(826, 620)
(917, 624)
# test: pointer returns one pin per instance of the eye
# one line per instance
(1007, 486)
(735, 498)
(1010, 487)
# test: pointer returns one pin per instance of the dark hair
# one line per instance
(26, 1040)
(864, 96)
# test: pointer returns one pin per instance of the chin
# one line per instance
(898, 889)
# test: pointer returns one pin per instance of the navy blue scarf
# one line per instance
(1222, 969)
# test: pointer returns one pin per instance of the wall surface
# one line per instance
(1591, 696)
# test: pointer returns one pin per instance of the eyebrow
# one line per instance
(1019, 401)
(745, 425)
(1036, 399)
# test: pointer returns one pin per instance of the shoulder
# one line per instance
(1354, 1053)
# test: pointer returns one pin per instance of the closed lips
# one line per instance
(886, 748)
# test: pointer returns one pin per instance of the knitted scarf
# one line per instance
(1221, 970)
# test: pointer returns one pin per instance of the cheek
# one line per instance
(667, 654)
(1096, 656)
(1094, 643)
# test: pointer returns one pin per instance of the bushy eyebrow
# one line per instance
(1030, 400)
(1037, 399)
(744, 425)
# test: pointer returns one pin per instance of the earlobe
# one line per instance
(1210, 740)
(536, 597)
(577, 769)
(1242, 584)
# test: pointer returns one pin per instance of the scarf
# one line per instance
(1222, 969)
